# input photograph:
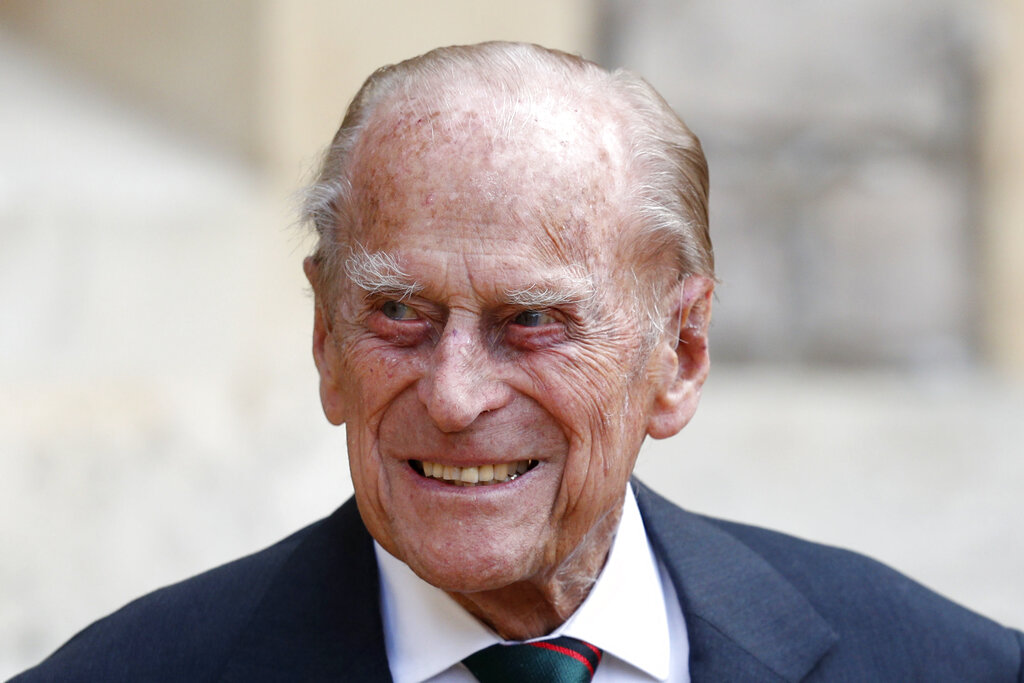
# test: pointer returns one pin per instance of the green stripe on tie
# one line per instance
(559, 660)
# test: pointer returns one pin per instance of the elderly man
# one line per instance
(513, 288)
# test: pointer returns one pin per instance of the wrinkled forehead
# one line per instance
(554, 171)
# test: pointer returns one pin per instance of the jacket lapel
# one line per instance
(744, 620)
(320, 619)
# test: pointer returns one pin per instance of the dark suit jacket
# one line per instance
(759, 606)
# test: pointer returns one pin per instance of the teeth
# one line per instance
(477, 476)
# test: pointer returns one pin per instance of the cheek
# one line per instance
(588, 388)
(591, 395)
(377, 374)
(374, 374)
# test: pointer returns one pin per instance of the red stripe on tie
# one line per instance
(567, 652)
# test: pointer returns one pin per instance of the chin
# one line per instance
(465, 565)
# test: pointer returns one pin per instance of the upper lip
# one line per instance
(466, 462)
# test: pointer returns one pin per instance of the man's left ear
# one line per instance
(679, 363)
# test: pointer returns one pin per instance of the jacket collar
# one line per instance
(744, 620)
(320, 619)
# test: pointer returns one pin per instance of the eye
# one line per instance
(396, 310)
(531, 318)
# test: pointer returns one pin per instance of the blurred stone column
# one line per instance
(1003, 150)
(315, 54)
(269, 80)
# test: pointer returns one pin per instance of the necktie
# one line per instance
(559, 660)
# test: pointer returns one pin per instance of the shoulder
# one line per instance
(878, 615)
(885, 617)
(855, 589)
(186, 631)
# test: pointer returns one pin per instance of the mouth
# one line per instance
(479, 475)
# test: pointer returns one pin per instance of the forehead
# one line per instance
(539, 176)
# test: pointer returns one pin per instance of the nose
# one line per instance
(462, 380)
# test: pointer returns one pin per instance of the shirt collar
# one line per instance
(426, 631)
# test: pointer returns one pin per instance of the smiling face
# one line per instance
(486, 350)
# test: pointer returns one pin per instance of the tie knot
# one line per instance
(559, 660)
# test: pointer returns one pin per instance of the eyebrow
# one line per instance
(575, 288)
(379, 273)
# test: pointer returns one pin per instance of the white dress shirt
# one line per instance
(632, 613)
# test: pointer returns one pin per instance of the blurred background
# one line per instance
(158, 406)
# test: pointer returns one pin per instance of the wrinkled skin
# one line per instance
(459, 374)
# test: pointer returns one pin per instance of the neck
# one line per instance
(535, 608)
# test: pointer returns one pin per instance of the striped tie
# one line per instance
(559, 660)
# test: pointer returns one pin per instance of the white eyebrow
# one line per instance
(567, 289)
(379, 273)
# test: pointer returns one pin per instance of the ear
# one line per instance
(325, 353)
(680, 362)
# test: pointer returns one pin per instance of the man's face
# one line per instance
(521, 347)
